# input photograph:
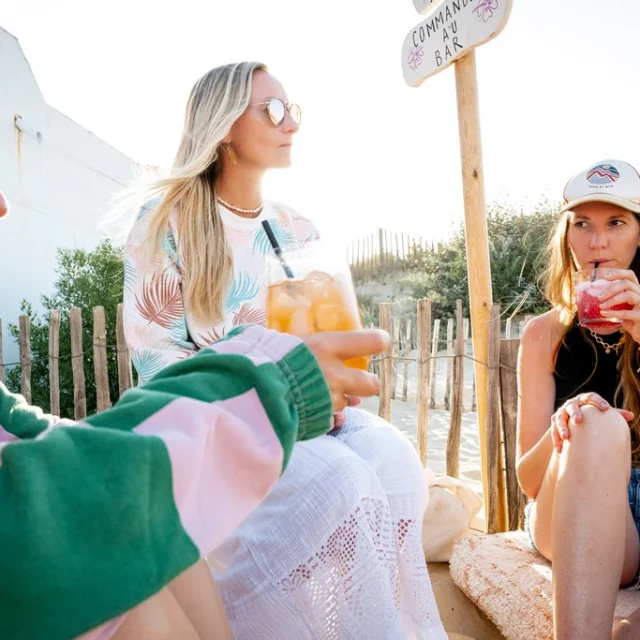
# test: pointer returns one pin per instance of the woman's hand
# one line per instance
(340, 417)
(331, 349)
(624, 290)
(570, 414)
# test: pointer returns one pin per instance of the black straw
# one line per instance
(276, 248)
(595, 271)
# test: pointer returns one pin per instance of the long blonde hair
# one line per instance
(559, 288)
(216, 101)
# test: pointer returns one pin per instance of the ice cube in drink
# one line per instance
(289, 308)
(589, 305)
(318, 303)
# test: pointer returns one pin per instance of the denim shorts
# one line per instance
(633, 491)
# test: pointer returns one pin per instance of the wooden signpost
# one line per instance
(450, 30)
(448, 34)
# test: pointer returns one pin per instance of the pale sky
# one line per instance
(558, 91)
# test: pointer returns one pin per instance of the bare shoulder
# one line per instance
(544, 326)
(542, 334)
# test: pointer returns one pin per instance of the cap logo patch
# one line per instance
(602, 175)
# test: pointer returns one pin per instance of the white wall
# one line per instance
(59, 186)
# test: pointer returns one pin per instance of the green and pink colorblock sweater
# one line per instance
(96, 517)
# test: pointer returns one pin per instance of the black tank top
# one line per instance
(583, 365)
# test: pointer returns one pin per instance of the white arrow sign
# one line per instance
(450, 30)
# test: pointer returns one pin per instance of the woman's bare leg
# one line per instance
(197, 594)
(582, 523)
(189, 608)
(158, 618)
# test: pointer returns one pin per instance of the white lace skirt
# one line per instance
(335, 550)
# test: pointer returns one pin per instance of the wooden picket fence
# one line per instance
(502, 395)
(103, 400)
(455, 342)
(419, 344)
(382, 249)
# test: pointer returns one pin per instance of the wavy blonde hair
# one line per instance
(216, 101)
(559, 288)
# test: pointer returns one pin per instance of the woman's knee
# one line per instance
(380, 441)
(601, 434)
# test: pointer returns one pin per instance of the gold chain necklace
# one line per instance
(607, 347)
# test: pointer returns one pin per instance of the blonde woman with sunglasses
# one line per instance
(335, 550)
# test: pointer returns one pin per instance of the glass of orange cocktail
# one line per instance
(318, 297)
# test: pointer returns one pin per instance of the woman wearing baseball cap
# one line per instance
(579, 409)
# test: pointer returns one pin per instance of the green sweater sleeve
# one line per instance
(19, 420)
(96, 518)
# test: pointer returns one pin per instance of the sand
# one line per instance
(404, 417)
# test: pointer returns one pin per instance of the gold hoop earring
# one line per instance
(231, 154)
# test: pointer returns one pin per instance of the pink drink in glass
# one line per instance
(588, 287)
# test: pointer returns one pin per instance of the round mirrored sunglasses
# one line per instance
(277, 111)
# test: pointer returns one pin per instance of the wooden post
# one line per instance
(479, 24)
(507, 329)
(509, 401)
(25, 357)
(424, 370)
(125, 376)
(395, 352)
(474, 403)
(77, 365)
(435, 345)
(474, 397)
(103, 397)
(467, 327)
(386, 369)
(477, 242)
(1, 355)
(447, 388)
(493, 439)
(407, 355)
(54, 363)
(455, 423)
(381, 245)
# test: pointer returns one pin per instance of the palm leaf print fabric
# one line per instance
(158, 330)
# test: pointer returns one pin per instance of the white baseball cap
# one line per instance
(610, 181)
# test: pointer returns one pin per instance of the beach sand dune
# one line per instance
(405, 417)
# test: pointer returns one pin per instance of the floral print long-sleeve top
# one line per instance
(158, 330)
